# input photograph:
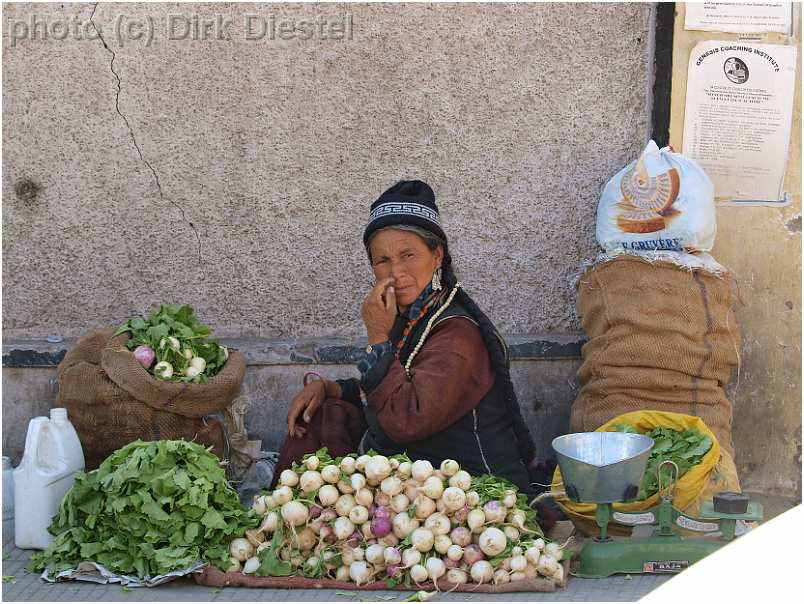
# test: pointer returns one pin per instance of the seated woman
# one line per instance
(435, 381)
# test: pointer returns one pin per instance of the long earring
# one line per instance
(437, 279)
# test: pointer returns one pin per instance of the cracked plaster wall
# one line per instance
(268, 154)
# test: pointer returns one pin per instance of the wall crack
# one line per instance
(134, 138)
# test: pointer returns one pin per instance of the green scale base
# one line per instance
(665, 554)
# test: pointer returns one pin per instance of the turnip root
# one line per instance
(400, 503)
(360, 573)
(360, 463)
(501, 576)
(145, 356)
(282, 495)
(418, 574)
(378, 468)
(234, 565)
(251, 566)
(328, 495)
(424, 507)
(163, 370)
(442, 544)
(433, 487)
(375, 554)
(241, 549)
(472, 553)
(347, 465)
(306, 539)
(454, 498)
(310, 481)
(358, 481)
(457, 576)
(472, 498)
(518, 563)
(482, 571)
(392, 555)
(269, 523)
(404, 469)
(343, 528)
(364, 497)
(342, 574)
(358, 514)
(476, 519)
(421, 470)
(258, 505)
(344, 505)
(331, 474)
(345, 487)
(511, 533)
(390, 540)
(546, 565)
(461, 535)
(455, 552)
(492, 541)
(404, 525)
(461, 479)
(294, 513)
(411, 557)
(435, 568)
(391, 486)
(495, 512)
(422, 539)
(312, 463)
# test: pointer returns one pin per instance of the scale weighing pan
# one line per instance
(602, 467)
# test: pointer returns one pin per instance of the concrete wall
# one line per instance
(762, 246)
(123, 164)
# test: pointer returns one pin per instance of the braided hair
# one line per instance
(491, 337)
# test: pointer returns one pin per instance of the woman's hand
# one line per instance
(379, 312)
(304, 406)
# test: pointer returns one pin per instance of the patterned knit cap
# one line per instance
(407, 202)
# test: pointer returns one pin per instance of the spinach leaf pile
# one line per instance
(149, 509)
(686, 449)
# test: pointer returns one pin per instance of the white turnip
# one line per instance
(331, 474)
(492, 541)
(294, 513)
(482, 571)
(422, 539)
(454, 498)
(421, 470)
(461, 480)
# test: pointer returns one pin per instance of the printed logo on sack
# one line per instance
(736, 70)
(665, 566)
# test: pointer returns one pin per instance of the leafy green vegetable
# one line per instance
(270, 564)
(149, 509)
(686, 449)
(176, 321)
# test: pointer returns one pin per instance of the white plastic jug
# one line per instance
(8, 489)
(52, 457)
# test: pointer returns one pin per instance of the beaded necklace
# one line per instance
(412, 322)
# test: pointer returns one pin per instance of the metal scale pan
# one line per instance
(602, 467)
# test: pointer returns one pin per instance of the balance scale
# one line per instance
(607, 467)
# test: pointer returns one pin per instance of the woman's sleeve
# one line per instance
(449, 376)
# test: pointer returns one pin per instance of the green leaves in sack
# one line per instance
(149, 509)
(684, 448)
(173, 345)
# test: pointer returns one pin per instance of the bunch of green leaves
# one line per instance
(149, 509)
(176, 321)
(684, 448)
(490, 487)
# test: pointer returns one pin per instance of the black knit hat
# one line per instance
(407, 202)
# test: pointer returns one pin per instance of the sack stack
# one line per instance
(657, 309)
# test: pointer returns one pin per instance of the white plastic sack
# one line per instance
(662, 201)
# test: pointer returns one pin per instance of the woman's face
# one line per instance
(405, 257)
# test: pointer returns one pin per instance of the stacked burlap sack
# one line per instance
(658, 311)
(662, 336)
(112, 400)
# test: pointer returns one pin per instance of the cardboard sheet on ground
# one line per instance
(212, 577)
(96, 573)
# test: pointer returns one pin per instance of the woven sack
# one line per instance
(661, 337)
(113, 401)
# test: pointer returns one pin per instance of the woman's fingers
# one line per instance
(298, 405)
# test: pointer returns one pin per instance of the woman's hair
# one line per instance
(491, 337)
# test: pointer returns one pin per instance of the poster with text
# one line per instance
(738, 114)
(739, 17)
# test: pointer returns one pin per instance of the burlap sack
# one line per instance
(112, 400)
(660, 337)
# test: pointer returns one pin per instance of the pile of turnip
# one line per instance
(373, 518)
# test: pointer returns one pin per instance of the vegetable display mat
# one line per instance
(212, 577)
